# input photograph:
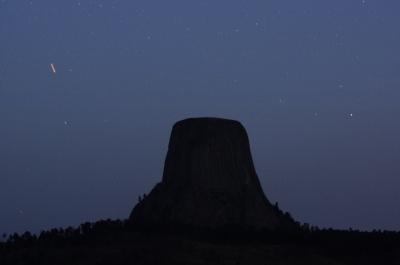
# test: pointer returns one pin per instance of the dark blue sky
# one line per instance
(316, 84)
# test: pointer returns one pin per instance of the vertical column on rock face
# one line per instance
(208, 180)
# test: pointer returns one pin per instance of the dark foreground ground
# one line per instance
(117, 242)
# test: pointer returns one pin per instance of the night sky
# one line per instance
(315, 83)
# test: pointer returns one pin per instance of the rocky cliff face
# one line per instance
(209, 180)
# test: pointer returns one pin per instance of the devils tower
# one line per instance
(209, 180)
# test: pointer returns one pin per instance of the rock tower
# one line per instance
(209, 180)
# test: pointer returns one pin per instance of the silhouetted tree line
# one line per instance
(112, 231)
(122, 235)
(341, 244)
(86, 233)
